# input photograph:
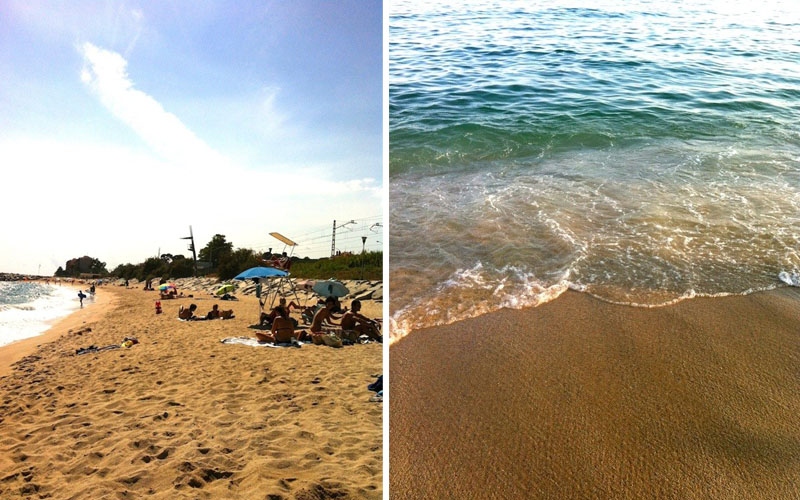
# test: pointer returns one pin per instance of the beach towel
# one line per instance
(128, 342)
(204, 318)
(254, 342)
(94, 348)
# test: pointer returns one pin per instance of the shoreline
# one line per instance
(581, 398)
(571, 289)
(18, 349)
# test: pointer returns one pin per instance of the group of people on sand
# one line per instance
(171, 293)
(349, 326)
(326, 318)
(187, 313)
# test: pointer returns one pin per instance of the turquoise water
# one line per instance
(643, 152)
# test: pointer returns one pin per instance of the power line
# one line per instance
(299, 237)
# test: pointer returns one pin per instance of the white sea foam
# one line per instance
(470, 292)
(27, 319)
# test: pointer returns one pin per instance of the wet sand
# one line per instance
(181, 415)
(579, 398)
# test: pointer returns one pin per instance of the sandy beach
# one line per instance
(181, 415)
(579, 398)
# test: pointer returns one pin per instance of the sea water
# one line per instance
(28, 309)
(642, 152)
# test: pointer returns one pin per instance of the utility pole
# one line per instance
(333, 235)
(363, 246)
(333, 239)
(191, 247)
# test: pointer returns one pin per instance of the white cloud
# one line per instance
(121, 203)
(105, 72)
(137, 17)
(271, 118)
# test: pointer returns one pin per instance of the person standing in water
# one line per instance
(81, 296)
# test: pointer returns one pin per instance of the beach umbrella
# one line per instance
(330, 288)
(166, 286)
(260, 272)
(224, 289)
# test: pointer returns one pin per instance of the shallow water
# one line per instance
(643, 153)
(28, 309)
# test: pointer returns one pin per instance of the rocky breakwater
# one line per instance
(359, 289)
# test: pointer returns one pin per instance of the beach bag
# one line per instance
(331, 340)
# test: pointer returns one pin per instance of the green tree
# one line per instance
(181, 267)
(97, 267)
(152, 266)
(233, 263)
(216, 250)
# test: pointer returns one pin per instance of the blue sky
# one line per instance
(270, 104)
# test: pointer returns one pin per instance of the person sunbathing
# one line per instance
(283, 261)
(356, 323)
(282, 331)
(215, 313)
(309, 311)
(187, 313)
(278, 310)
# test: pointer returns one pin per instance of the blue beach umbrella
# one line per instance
(260, 272)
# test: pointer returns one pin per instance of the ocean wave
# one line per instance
(427, 312)
(474, 291)
(19, 307)
(30, 307)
